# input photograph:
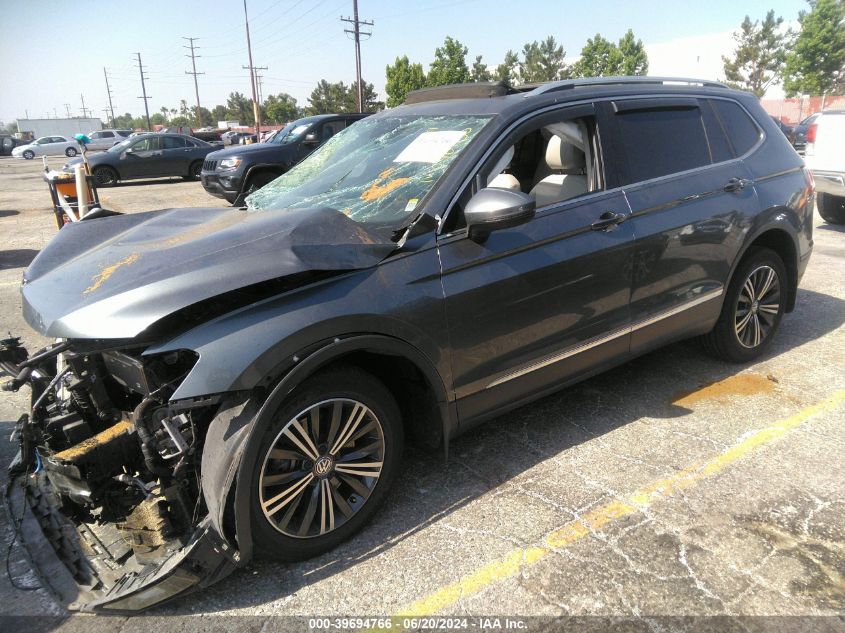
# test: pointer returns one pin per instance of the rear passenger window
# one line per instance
(739, 128)
(662, 142)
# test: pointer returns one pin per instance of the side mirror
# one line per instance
(492, 209)
(310, 138)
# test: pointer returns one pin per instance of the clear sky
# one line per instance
(55, 50)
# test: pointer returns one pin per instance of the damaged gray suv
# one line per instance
(232, 381)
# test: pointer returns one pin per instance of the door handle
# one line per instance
(607, 220)
(736, 184)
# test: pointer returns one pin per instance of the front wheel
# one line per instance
(753, 308)
(326, 463)
(70, 152)
(831, 208)
(254, 184)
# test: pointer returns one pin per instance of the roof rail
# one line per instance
(567, 84)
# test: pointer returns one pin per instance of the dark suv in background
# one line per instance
(235, 172)
(234, 381)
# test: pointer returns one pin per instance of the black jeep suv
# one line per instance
(231, 381)
(237, 171)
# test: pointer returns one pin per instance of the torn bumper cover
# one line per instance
(109, 505)
(66, 562)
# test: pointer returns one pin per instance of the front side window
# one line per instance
(376, 171)
(659, 142)
(146, 145)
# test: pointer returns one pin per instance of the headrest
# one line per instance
(562, 156)
(503, 162)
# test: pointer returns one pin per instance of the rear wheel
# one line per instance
(753, 308)
(194, 171)
(70, 152)
(831, 208)
(326, 463)
(105, 176)
(29, 154)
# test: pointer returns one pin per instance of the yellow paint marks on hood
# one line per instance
(739, 385)
(378, 190)
(108, 271)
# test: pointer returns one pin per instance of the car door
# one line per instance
(176, 156)
(538, 304)
(690, 198)
(141, 159)
(54, 145)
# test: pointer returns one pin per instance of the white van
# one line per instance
(825, 157)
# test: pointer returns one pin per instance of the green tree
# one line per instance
(816, 63)
(206, 119)
(371, 102)
(164, 112)
(240, 108)
(599, 58)
(402, 78)
(281, 108)
(327, 98)
(542, 61)
(449, 65)
(634, 57)
(508, 69)
(759, 57)
(479, 71)
(158, 119)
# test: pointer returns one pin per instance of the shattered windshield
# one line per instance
(376, 171)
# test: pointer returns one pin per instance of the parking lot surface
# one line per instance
(675, 485)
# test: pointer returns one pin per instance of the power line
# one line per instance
(356, 31)
(108, 92)
(144, 92)
(194, 73)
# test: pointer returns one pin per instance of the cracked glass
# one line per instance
(375, 171)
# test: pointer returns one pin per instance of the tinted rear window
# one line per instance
(740, 129)
(662, 142)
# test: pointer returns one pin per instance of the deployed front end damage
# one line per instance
(121, 486)
(105, 492)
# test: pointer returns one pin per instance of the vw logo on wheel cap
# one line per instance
(323, 466)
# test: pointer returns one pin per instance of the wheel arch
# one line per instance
(781, 240)
(393, 361)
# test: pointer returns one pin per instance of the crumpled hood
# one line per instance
(113, 277)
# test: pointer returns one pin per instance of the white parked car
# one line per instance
(104, 139)
(48, 146)
(825, 157)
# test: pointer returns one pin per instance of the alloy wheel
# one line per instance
(758, 306)
(321, 468)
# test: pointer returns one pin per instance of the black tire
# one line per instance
(194, 171)
(729, 339)
(831, 208)
(29, 155)
(346, 385)
(255, 183)
(105, 176)
(70, 152)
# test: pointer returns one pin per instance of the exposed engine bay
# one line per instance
(110, 470)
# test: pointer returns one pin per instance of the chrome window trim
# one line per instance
(606, 338)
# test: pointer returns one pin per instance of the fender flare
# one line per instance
(777, 224)
(248, 447)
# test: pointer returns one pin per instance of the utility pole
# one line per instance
(67, 109)
(84, 109)
(194, 73)
(357, 33)
(144, 92)
(108, 92)
(255, 107)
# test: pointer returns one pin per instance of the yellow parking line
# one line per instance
(10, 283)
(512, 563)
